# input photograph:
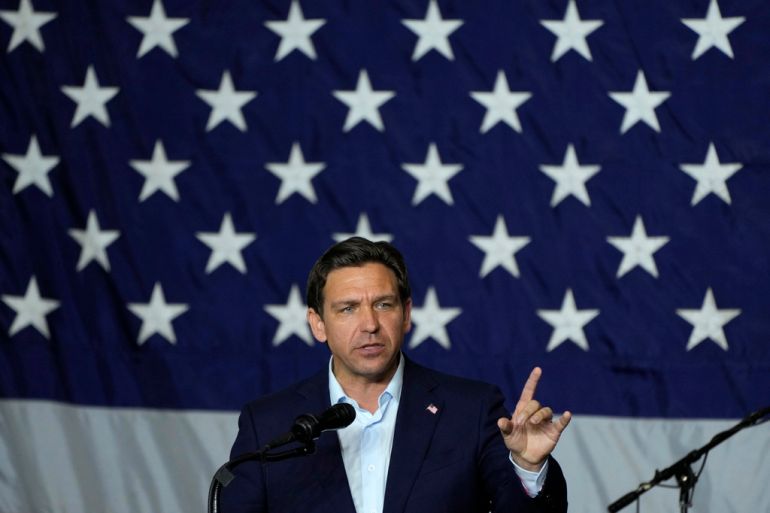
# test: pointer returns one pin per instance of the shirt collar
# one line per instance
(393, 390)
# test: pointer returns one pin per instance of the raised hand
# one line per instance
(531, 433)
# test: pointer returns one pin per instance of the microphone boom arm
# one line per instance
(306, 429)
(223, 476)
(681, 469)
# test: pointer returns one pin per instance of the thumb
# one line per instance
(505, 426)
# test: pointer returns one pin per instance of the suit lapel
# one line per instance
(418, 414)
(328, 456)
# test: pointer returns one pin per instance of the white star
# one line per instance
(432, 177)
(159, 173)
(295, 175)
(33, 168)
(157, 29)
(431, 321)
(707, 322)
(295, 32)
(292, 318)
(711, 176)
(433, 32)
(31, 309)
(93, 242)
(640, 104)
(500, 249)
(226, 245)
(501, 104)
(638, 249)
(364, 103)
(363, 229)
(713, 31)
(570, 178)
(567, 323)
(571, 33)
(157, 316)
(26, 25)
(91, 99)
(226, 103)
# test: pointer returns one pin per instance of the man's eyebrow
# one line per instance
(344, 302)
(391, 297)
(351, 301)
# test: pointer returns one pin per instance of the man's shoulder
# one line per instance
(306, 389)
(448, 382)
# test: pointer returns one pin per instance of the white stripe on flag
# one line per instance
(606, 457)
(67, 459)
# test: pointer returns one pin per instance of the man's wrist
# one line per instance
(525, 465)
(531, 481)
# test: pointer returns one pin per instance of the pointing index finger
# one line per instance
(531, 385)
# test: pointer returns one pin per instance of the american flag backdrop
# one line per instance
(581, 185)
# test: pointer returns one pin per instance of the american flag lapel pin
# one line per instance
(432, 408)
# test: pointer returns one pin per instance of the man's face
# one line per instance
(363, 322)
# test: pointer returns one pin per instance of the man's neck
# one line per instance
(366, 394)
(366, 391)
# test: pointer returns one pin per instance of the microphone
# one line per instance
(308, 427)
(305, 429)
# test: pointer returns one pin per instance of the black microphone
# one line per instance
(308, 427)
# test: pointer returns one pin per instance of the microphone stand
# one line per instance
(223, 475)
(681, 470)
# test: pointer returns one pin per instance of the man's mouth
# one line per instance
(371, 349)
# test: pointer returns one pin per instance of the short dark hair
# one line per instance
(355, 252)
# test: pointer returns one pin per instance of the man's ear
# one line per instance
(408, 315)
(317, 325)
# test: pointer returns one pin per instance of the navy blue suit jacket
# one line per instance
(453, 460)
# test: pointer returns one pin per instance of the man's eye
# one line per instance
(346, 309)
(383, 305)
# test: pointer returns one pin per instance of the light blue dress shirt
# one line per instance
(366, 445)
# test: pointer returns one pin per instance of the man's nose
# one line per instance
(370, 323)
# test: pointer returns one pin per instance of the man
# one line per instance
(422, 441)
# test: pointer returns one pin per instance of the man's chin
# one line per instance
(377, 368)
